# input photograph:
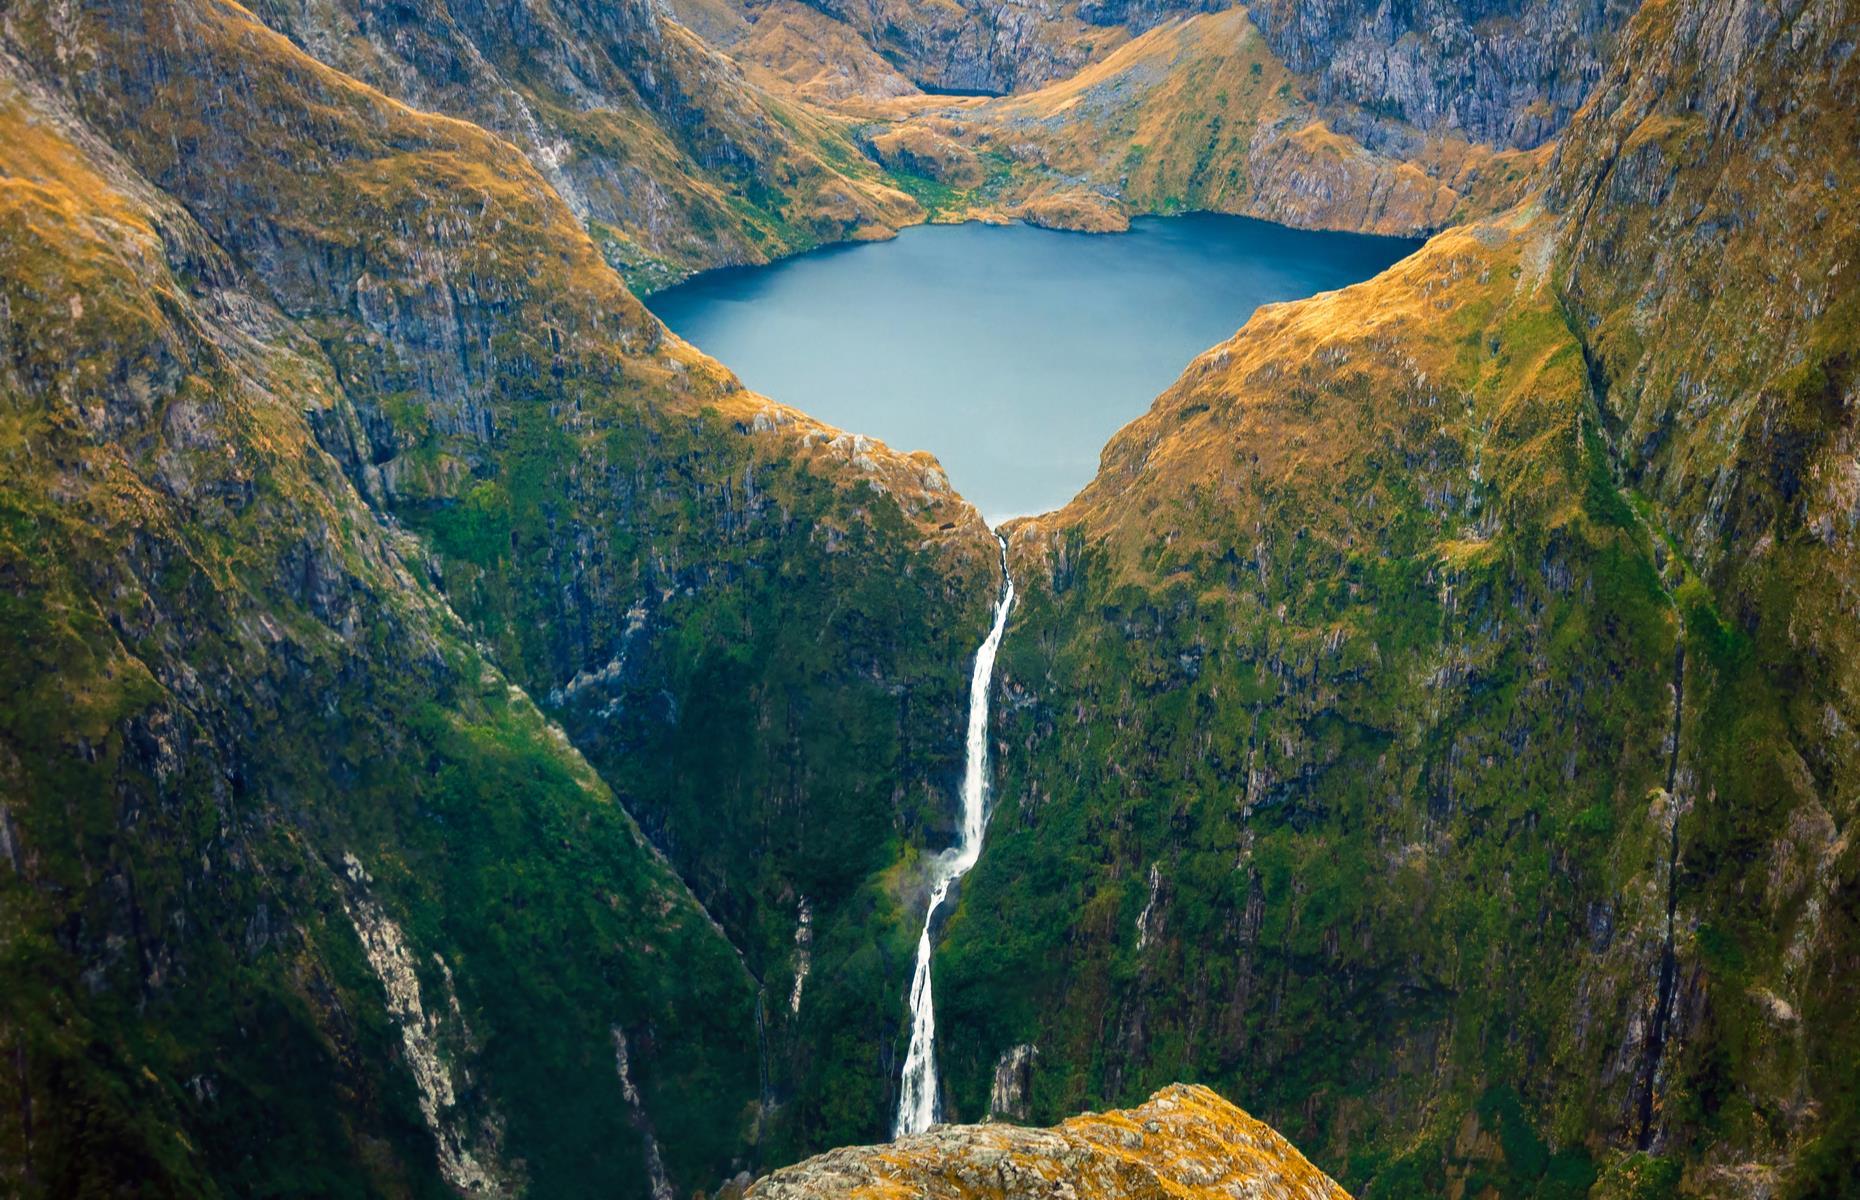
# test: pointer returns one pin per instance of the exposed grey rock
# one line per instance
(1510, 72)
(1011, 1096)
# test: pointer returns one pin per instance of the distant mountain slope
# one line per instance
(1506, 72)
(1432, 727)
(671, 158)
(1197, 115)
(987, 46)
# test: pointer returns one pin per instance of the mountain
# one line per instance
(286, 857)
(1510, 74)
(664, 151)
(1429, 728)
(964, 46)
(1397, 122)
(1196, 115)
(333, 441)
(460, 740)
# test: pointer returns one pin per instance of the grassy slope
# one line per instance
(672, 159)
(589, 490)
(1200, 115)
(224, 675)
(1366, 640)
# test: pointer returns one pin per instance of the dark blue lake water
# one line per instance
(1011, 353)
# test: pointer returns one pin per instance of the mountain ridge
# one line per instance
(384, 381)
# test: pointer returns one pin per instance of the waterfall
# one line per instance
(918, 1106)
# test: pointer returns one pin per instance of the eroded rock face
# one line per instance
(1011, 1095)
(1504, 71)
(1185, 1142)
(1000, 45)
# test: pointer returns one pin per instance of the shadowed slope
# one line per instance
(291, 362)
(1433, 725)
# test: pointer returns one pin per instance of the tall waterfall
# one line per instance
(918, 1105)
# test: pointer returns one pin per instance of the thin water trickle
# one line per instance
(919, 1104)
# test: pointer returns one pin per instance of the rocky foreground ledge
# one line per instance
(1185, 1143)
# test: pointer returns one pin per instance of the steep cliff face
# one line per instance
(301, 893)
(660, 146)
(1388, 120)
(985, 46)
(1506, 73)
(1729, 388)
(1200, 115)
(1431, 727)
(295, 374)
(1184, 1142)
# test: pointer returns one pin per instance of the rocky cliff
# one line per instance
(1388, 120)
(1430, 728)
(333, 441)
(1199, 115)
(1184, 1142)
(963, 47)
(1505, 73)
(670, 158)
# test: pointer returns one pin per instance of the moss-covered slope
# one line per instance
(301, 895)
(1431, 728)
(296, 373)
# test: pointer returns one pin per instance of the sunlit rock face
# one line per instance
(1185, 1142)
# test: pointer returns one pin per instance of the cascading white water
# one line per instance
(918, 1102)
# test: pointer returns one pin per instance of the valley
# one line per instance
(1392, 670)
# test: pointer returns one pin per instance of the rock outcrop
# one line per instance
(1200, 115)
(1500, 71)
(1184, 1142)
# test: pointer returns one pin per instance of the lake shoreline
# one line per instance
(1010, 351)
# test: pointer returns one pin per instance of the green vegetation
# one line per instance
(1433, 729)
(231, 674)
